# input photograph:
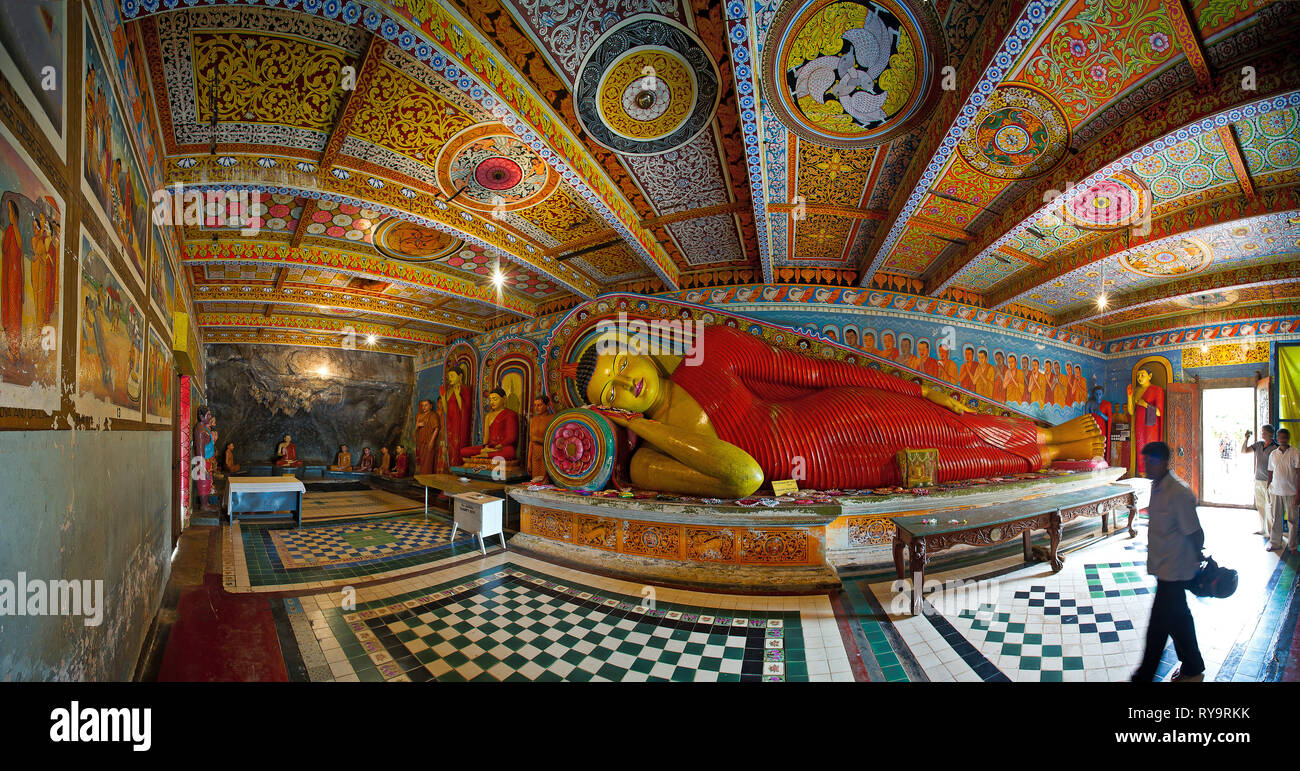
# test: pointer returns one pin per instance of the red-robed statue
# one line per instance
(1146, 403)
(457, 408)
(500, 430)
(748, 411)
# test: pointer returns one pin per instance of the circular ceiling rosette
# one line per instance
(1020, 133)
(1114, 202)
(852, 73)
(1180, 258)
(408, 242)
(647, 86)
(487, 168)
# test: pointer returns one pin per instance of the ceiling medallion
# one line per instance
(1114, 202)
(647, 86)
(852, 73)
(1181, 258)
(409, 242)
(1209, 300)
(1020, 133)
(487, 168)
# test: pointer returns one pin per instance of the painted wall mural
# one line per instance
(33, 54)
(31, 282)
(112, 178)
(110, 344)
(158, 393)
(162, 279)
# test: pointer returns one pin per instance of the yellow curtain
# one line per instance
(1288, 382)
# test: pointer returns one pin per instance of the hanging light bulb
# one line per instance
(1101, 300)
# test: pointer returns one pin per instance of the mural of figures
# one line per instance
(158, 398)
(31, 282)
(112, 175)
(32, 39)
(110, 344)
(162, 279)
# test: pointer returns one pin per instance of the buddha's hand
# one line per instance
(614, 415)
(944, 400)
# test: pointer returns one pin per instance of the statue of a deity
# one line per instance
(748, 411)
(342, 461)
(286, 454)
(205, 446)
(367, 462)
(537, 425)
(427, 428)
(1146, 403)
(457, 409)
(500, 430)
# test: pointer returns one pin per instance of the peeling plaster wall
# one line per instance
(90, 505)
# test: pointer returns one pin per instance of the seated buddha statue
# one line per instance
(367, 462)
(500, 429)
(228, 461)
(342, 461)
(385, 462)
(748, 412)
(400, 461)
(286, 454)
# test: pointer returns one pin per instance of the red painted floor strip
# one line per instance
(221, 637)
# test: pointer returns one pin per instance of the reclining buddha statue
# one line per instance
(747, 411)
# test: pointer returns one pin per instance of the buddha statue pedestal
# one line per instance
(483, 468)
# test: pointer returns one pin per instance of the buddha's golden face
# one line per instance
(1144, 378)
(626, 381)
(494, 401)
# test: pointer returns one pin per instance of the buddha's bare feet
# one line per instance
(1081, 436)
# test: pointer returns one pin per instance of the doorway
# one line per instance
(1228, 473)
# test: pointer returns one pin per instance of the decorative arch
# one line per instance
(514, 364)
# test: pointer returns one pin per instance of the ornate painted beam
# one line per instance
(304, 219)
(303, 339)
(350, 331)
(1188, 40)
(1232, 148)
(851, 212)
(331, 297)
(352, 104)
(364, 265)
(1225, 280)
(609, 234)
(1179, 223)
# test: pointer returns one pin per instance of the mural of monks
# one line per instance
(1013, 382)
(966, 375)
(948, 369)
(984, 375)
(851, 337)
(888, 349)
(999, 376)
(869, 343)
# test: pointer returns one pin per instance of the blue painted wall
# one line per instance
(86, 505)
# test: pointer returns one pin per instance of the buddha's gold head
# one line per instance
(612, 374)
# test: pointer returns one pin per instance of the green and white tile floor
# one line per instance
(509, 617)
(1087, 623)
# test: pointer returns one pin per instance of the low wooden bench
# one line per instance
(996, 524)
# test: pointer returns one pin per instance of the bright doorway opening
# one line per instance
(1228, 474)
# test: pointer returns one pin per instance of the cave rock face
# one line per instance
(319, 396)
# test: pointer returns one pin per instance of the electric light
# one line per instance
(498, 278)
(371, 339)
(1101, 300)
(323, 371)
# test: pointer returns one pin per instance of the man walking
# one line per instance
(1282, 467)
(1261, 450)
(1174, 542)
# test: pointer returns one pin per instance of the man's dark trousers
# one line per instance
(1170, 616)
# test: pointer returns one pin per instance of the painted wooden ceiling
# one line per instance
(1020, 156)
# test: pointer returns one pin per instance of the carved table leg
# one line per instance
(1132, 515)
(1029, 547)
(1105, 519)
(898, 557)
(1054, 535)
(916, 564)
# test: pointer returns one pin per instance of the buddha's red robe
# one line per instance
(847, 422)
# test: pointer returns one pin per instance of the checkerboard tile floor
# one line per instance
(509, 617)
(1086, 623)
(357, 543)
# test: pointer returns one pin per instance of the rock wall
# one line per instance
(320, 397)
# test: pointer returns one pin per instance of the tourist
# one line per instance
(1261, 450)
(1282, 465)
(1174, 543)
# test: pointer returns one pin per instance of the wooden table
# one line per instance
(995, 524)
(249, 494)
(452, 486)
